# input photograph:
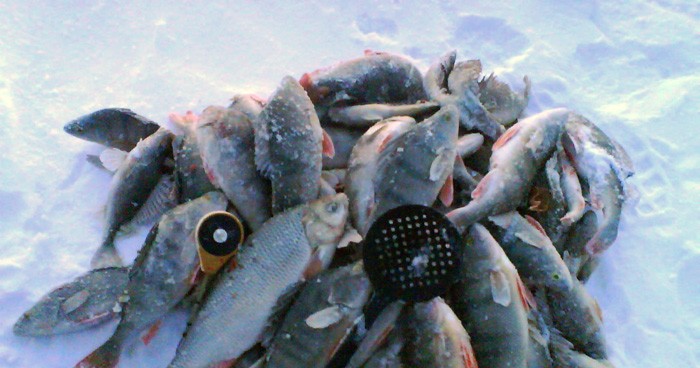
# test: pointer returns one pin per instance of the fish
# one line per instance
(377, 77)
(603, 165)
(468, 144)
(160, 277)
(464, 93)
(320, 319)
(367, 115)
(571, 188)
(344, 140)
(363, 165)
(435, 79)
(466, 180)
(547, 204)
(492, 302)
(129, 189)
(226, 145)
(538, 355)
(250, 105)
(87, 301)
(162, 198)
(435, 337)
(576, 314)
(504, 105)
(190, 177)
(517, 157)
(289, 143)
(417, 167)
(113, 127)
(290, 247)
(564, 355)
(387, 356)
(578, 260)
(381, 331)
(526, 244)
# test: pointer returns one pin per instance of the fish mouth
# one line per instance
(73, 128)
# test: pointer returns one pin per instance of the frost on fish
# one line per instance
(504, 105)
(435, 79)
(113, 127)
(289, 146)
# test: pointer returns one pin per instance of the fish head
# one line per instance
(481, 251)
(42, 319)
(440, 131)
(324, 220)
(75, 128)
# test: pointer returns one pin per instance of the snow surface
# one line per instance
(630, 66)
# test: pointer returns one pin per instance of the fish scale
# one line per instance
(271, 261)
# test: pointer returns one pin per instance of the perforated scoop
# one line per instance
(411, 253)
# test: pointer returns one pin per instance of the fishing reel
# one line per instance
(218, 235)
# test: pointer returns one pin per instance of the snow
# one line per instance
(630, 66)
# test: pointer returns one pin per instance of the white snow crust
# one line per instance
(631, 66)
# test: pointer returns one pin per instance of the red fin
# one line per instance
(313, 268)
(536, 224)
(481, 187)
(526, 296)
(106, 356)
(328, 148)
(468, 357)
(305, 81)
(152, 332)
(447, 192)
(382, 145)
(225, 363)
(502, 140)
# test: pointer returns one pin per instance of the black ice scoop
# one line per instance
(410, 253)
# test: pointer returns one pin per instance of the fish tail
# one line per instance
(106, 256)
(106, 356)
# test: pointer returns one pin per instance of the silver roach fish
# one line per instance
(416, 168)
(289, 143)
(320, 319)
(190, 178)
(377, 77)
(492, 302)
(160, 277)
(603, 165)
(226, 144)
(517, 157)
(435, 337)
(131, 186)
(290, 247)
(526, 244)
(363, 165)
(82, 303)
(114, 127)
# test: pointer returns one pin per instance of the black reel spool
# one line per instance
(411, 253)
(219, 234)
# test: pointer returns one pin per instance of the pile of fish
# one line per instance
(538, 200)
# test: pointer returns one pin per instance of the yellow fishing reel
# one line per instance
(218, 235)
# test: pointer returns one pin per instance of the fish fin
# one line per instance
(382, 146)
(526, 296)
(225, 363)
(106, 256)
(180, 124)
(162, 198)
(152, 332)
(481, 187)
(106, 356)
(503, 139)
(324, 318)
(468, 357)
(319, 261)
(74, 301)
(351, 236)
(569, 146)
(536, 225)
(112, 158)
(447, 192)
(278, 312)
(328, 147)
(443, 161)
(500, 290)
(99, 317)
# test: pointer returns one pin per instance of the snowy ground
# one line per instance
(630, 66)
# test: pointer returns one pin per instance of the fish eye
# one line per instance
(332, 207)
